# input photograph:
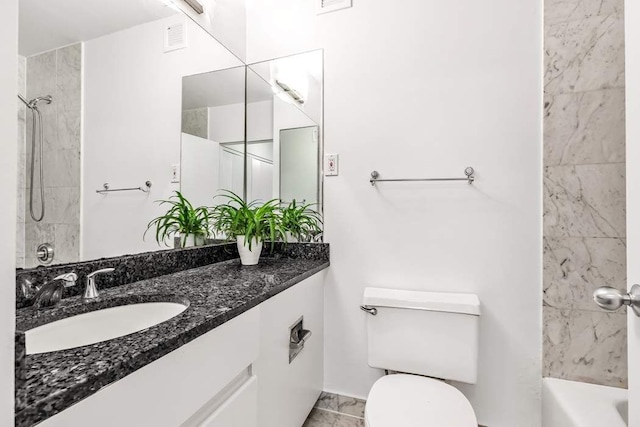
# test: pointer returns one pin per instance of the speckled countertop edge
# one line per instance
(216, 293)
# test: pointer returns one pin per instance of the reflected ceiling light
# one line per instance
(195, 5)
(170, 4)
(291, 92)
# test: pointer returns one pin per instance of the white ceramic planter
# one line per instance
(290, 237)
(192, 240)
(249, 257)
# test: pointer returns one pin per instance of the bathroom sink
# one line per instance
(100, 325)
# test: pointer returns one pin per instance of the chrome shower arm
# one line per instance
(23, 99)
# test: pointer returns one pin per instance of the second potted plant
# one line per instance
(250, 224)
(300, 222)
(182, 219)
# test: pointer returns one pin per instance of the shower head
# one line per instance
(33, 104)
(47, 99)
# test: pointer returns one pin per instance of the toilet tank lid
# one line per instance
(419, 300)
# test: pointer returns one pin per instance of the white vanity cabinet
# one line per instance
(178, 388)
(236, 375)
(237, 409)
(288, 391)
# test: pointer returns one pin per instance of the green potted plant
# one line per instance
(182, 219)
(249, 224)
(300, 222)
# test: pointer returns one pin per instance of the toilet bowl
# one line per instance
(426, 335)
(402, 400)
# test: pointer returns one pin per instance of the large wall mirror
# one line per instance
(101, 90)
(138, 96)
(269, 134)
(213, 133)
(292, 116)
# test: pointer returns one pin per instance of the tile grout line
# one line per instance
(584, 164)
(567, 20)
(337, 413)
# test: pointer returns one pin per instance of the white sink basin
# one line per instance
(99, 325)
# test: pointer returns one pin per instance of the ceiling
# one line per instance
(48, 24)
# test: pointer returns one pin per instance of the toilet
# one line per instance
(427, 337)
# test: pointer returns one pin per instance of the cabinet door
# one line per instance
(239, 410)
(288, 391)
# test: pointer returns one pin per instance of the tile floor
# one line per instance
(333, 410)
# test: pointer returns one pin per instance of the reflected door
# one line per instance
(231, 170)
(299, 165)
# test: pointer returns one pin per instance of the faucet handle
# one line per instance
(68, 278)
(91, 291)
(102, 270)
(29, 289)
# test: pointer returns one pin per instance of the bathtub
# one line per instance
(576, 404)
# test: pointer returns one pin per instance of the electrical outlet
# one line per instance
(330, 164)
(175, 173)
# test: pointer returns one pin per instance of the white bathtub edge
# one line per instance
(576, 404)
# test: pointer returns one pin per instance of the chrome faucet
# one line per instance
(91, 291)
(50, 294)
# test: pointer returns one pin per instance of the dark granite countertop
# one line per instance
(215, 294)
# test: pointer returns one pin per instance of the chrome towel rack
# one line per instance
(106, 189)
(469, 172)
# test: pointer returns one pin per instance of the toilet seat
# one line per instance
(412, 401)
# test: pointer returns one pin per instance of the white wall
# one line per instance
(632, 46)
(260, 120)
(423, 89)
(132, 128)
(226, 123)
(200, 166)
(8, 177)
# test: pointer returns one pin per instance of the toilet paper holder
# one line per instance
(298, 336)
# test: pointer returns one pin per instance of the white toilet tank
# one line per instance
(426, 333)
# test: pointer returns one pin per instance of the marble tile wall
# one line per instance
(584, 189)
(22, 153)
(196, 122)
(57, 73)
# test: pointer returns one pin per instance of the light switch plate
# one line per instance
(330, 164)
(175, 173)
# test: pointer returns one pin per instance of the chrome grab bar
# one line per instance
(145, 189)
(469, 172)
(611, 299)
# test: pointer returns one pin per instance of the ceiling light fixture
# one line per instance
(170, 4)
(195, 5)
(291, 92)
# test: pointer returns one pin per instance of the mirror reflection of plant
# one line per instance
(254, 220)
(301, 221)
(181, 218)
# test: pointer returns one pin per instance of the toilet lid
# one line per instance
(408, 400)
